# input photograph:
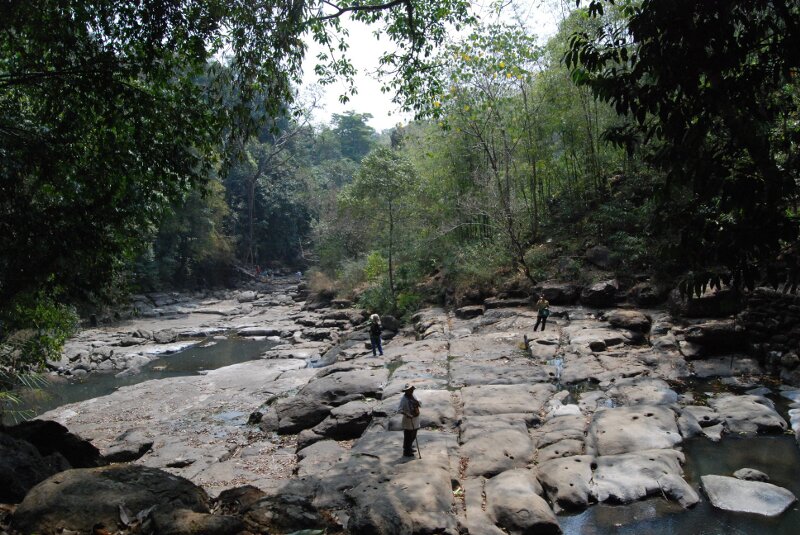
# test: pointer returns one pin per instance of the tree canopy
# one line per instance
(713, 95)
(110, 111)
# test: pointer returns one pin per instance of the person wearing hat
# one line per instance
(409, 408)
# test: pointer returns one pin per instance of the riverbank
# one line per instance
(519, 428)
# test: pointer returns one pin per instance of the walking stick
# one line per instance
(416, 439)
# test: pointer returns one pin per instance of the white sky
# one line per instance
(541, 16)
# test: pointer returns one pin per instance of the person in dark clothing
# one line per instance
(375, 330)
(409, 408)
(543, 306)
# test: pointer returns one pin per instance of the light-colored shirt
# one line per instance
(409, 421)
(541, 304)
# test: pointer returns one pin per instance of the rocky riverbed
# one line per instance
(518, 427)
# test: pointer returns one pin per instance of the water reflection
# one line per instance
(777, 456)
(191, 361)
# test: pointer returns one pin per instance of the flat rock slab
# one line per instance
(732, 494)
(643, 391)
(464, 372)
(341, 387)
(571, 426)
(630, 477)
(748, 414)
(567, 482)
(514, 503)
(478, 520)
(417, 351)
(496, 451)
(629, 429)
(726, 367)
(489, 346)
(502, 399)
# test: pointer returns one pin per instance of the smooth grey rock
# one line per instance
(727, 367)
(300, 412)
(469, 312)
(705, 416)
(748, 414)
(756, 497)
(750, 474)
(629, 429)
(513, 501)
(643, 391)
(346, 421)
(630, 477)
(633, 320)
(567, 481)
(601, 294)
(497, 450)
(167, 336)
(78, 499)
(336, 388)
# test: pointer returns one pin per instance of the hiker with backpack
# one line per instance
(543, 307)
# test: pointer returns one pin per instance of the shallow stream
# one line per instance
(207, 355)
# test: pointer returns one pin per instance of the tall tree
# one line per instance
(356, 137)
(384, 191)
(715, 83)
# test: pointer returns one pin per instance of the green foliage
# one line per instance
(376, 266)
(377, 297)
(715, 97)
(33, 329)
(356, 138)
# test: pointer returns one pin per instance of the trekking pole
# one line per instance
(416, 439)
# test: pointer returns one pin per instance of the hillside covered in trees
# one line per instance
(164, 145)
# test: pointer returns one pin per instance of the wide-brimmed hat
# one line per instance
(407, 387)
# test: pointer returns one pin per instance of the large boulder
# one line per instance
(601, 294)
(78, 499)
(513, 501)
(22, 467)
(50, 437)
(632, 320)
(629, 429)
(346, 421)
(646, 294)
(630, 477)
(732, 494)
(712, 304)
(717, 336)
(297, 413)
(567, 481)
(559, 293)
(748, 414)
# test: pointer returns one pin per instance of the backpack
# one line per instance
(545, 312)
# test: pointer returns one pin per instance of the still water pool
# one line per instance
(207, 355)
(777, 456)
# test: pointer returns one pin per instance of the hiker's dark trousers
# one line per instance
(376, 345)
(408, 441)
(540, 319)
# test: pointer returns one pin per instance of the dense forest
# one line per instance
(163, 145)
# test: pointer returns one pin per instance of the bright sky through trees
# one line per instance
(540, 16)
